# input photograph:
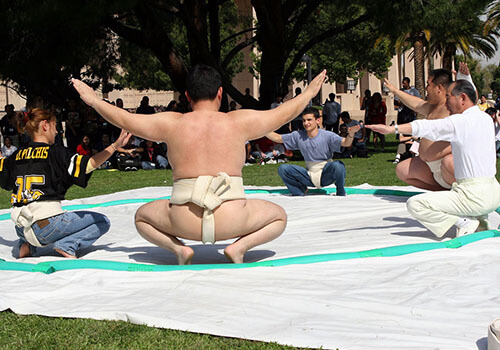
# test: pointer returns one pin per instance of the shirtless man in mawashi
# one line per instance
(433, 168)
(208, 201)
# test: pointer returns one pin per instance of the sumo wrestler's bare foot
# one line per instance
(184, 255)
(63, 253)
(24, 251)
(234, 254)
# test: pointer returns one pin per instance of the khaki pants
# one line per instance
(438, 211)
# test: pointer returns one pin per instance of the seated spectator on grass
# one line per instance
(152, 156)
(359, 137)
(85, 148)
(249, 159)
(128, 157)
(8, 148)
(345, 152)
(263, 150)
(106, 142)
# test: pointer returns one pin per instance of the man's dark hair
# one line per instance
(463, 86)
(332, 97)
(441, 76)
(203, 83)
(345, 114)
(491, 111)
(406, 79)
(311, 110)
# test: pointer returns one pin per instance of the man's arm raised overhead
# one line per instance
(154, 127)
(255, 124)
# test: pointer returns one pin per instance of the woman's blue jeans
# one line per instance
(69, 232)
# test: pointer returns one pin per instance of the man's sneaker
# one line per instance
(396, 161)
(466, 226)
(484, 223)
(272, 161)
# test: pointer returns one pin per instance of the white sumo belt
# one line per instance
(208, 192)
(494, 335)
(315, 169)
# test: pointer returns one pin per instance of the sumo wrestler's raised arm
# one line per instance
(154, 127)
(255, 124)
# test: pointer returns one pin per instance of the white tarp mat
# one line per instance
(439, 299)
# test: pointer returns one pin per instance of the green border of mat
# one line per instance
(380, 192)
(62, 265)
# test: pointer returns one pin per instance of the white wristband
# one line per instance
(396, 130)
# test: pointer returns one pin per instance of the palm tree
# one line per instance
(493, 17)
(441, 27)
(457, 26)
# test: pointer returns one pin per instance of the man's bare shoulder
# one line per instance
(438, 112)
(168, 114)
(243, 112)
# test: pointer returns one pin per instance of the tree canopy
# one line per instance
(444, 27)
(151, 43)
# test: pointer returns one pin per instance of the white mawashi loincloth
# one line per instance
(494, 335)
(208, 192)
(435, 167)
(315, 169)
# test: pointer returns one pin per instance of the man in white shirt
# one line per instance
(476, 192)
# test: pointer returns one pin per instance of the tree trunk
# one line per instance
(419, 64)
(448, 55)
(272, 40)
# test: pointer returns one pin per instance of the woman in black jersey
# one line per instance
(39, 175)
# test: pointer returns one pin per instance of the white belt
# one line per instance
(315, 169)
(208, 192)
(435, 167)
(27, 215)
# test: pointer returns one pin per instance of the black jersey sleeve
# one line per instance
(72, 165)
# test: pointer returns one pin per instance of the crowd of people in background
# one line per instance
(85, 132)
(81, 129)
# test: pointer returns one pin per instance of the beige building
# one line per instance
(8, 95)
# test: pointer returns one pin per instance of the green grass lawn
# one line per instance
(36, 332)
